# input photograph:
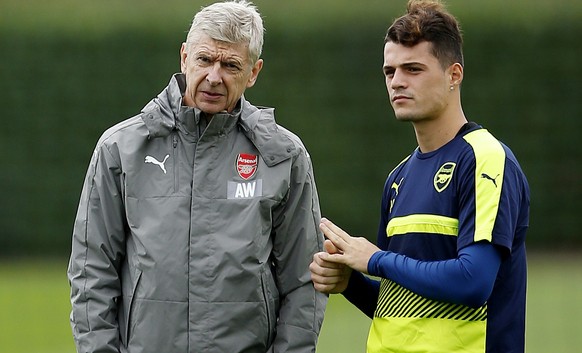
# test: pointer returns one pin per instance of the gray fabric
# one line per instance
(164, 261)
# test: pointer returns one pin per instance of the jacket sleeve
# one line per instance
(296, 238)
(97, 250)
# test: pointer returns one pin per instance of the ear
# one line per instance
(183, 56)
(255, 73)
(455, 74)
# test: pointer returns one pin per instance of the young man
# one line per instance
(199, 216)
(450, 252)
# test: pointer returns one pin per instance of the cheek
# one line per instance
(193, 78)
(388, 83)
(190, 84)
(237, 86)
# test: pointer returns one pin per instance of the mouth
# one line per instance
(211, 95)
(399, 98)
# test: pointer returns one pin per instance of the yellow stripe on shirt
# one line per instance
(407, 322)
(489, 169)
(423, 223)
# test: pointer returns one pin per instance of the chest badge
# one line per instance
(443, 176)
(246, 165)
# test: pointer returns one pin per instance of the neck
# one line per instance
(432, 134)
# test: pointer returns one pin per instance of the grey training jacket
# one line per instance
(186, 242)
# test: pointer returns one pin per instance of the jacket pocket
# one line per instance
(271, 300)
(125, 311)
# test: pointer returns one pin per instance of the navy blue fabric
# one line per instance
(466, 280)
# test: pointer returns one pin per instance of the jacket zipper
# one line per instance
(129, 326)
(174, 159)
(266, 297)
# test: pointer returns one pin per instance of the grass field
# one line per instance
(34, 302)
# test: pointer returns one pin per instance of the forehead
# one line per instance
(397, 54)
(203, 43)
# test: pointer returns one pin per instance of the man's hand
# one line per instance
(329, 277)
(351, 251)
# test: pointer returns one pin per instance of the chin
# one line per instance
(409, 116)
(210, 109)
(405, 117)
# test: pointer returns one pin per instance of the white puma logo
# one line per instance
(150, 159)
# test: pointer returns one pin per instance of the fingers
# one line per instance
(326, 261)
(329, 247)
(324, 272)
(331, 288)
(335, 229)
(335, 234)
(328, 277)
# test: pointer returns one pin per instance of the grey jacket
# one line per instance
(188, 242)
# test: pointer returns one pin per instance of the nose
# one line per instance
(214, 74)
(397, 80)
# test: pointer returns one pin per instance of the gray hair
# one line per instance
(235, 21)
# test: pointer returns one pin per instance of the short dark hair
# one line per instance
(429, 21)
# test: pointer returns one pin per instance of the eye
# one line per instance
(202, 59)
(232, 66)
(389, 73)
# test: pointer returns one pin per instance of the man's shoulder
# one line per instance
(275, 142)
(297, 142)
(127, 129)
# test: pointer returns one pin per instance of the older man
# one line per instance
(199, 216)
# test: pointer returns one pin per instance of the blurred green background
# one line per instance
(70, 68)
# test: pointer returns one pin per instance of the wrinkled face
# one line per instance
(418, 87)
(217, 73)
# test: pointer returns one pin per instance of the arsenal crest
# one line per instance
(443, 176)
(246, 165)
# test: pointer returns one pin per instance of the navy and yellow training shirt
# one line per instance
(435, 206)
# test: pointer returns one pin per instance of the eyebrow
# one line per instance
(231, 59)
(406, 64)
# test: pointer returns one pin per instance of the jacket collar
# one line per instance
(163, 114)
(260, 127)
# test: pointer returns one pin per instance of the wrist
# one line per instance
(373, 262)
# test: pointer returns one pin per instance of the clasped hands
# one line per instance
(331, 269)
